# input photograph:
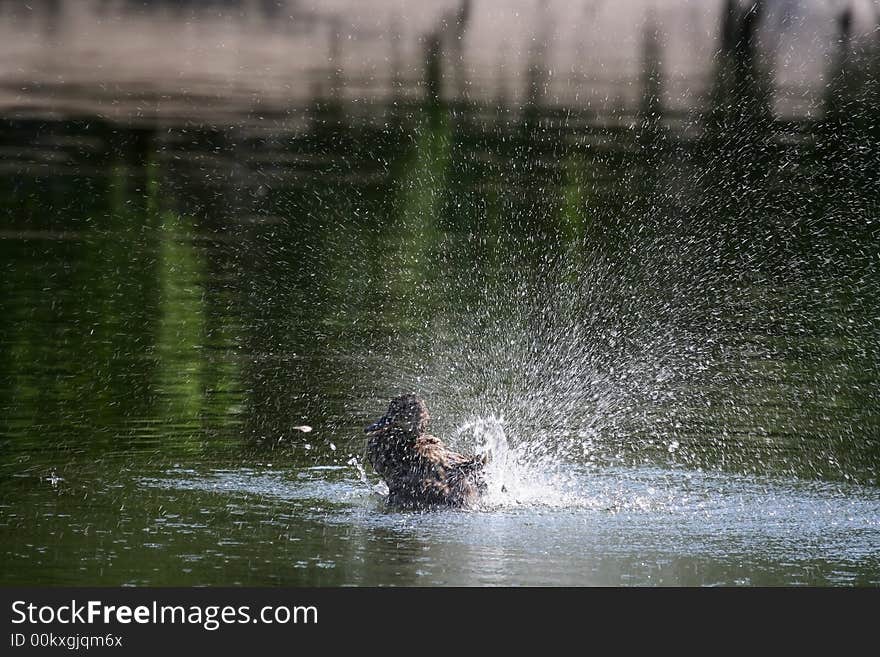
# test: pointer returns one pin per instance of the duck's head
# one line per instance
(407, 415)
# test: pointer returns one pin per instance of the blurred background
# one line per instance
(642, 232)
(251, 61)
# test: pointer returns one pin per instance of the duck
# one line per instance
(421, 472)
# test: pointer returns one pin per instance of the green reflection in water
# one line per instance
(181, 330)
(574, 217)
(415, 234)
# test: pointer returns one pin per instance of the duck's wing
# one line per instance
(446, 477)
(432, 449)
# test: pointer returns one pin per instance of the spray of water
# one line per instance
(658, 347)
(584, 355)
(510, 479)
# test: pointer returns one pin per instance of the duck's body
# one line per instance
(419, 470)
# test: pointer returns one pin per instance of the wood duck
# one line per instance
(420, 471)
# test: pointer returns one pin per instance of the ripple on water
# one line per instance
(573, 511)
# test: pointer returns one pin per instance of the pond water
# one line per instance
(665, 323)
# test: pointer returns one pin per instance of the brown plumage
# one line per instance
(420, 471)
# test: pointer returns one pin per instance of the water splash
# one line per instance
(680, 342)
(356, 464)
(380, 488)
(488, 434)
(513, 478)
(574, 356)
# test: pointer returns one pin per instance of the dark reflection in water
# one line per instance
(644, 300)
